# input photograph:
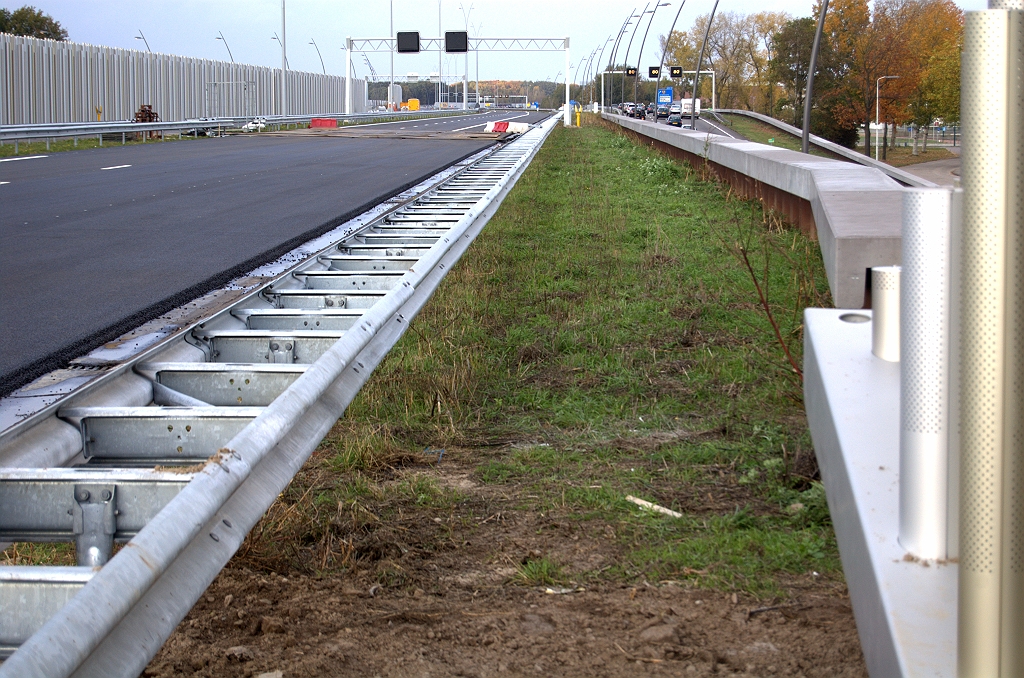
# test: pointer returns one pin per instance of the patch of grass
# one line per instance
(38, 554)
(901, 156)
(539, 572)
(763, 133)
(602, 337)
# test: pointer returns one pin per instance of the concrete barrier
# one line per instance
(855, 212)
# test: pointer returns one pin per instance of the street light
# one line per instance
(878, 108)
(696, 75)
(613, 57)
(220, 36)
(639, 57)
(283, 55)
(312, 41)
(477, 29)
(465, 73)
(665, 51)
(141, 36)
(628, 47)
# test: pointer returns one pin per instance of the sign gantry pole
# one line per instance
(567, 120)
(348, 76)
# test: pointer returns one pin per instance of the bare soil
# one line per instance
(435, 591)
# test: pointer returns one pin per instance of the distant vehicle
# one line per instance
(662, 111)
(675, 108)
(675, 120)
(255, 125)
(688, 107)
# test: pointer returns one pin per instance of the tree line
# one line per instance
(761, 60)
(31, 22)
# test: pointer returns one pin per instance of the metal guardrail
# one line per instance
(905, 178)
(87, 129)
(250, 393)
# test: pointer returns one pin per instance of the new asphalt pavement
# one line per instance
(96, 242)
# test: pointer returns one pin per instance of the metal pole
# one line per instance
(220, 36)
(661, 65)
(613, 58)
(878, 82)
(700, 59)
(639, 57)
(312, 41)
(805, 140)
(628, 47)
(284, 63)
(990, 614)
(348, 76)
(391, 82)
(440, 53)
(567, 119)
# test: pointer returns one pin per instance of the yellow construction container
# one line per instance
(411, 105)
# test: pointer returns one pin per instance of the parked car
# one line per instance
(255, 125)
(675, 120)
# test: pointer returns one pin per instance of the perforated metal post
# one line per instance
(991, 587)
(885, 315)
(928, 453)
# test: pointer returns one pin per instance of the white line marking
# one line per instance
(27, 157)
(724, 131)
(4, 182)
(482, 124)
(115, 167)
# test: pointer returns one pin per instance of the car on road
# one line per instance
(675, 120)
(662, 111)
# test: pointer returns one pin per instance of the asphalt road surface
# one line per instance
(95, 242)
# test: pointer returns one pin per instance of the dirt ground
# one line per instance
(436, 593)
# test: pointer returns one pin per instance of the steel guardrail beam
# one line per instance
(12, 132)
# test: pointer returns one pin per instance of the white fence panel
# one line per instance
(45, 81)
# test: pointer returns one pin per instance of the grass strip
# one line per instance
(603, 337)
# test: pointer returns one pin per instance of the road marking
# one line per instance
(482, 124)
(726, 132)
(27, 157)
(115, 167)
(4, 182)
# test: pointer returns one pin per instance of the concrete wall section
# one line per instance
(856, 211)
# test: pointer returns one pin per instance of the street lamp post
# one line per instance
(477, 29)
(878, 107)
(613, 57)
(805, 141)
(465, 72)
(700, 62)
(391, 82)
(630, 46)
(220, 36)
(661, 65)
(312, 41)
(141, 36)
(284, 71)
(639, 56)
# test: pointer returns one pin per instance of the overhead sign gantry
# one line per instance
(453, 42)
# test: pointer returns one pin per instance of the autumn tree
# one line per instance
(31, 22)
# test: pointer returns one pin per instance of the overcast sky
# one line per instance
(190, 28)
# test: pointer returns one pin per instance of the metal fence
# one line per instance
(45, 81)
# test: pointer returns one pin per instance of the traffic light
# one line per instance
(631, 72)
(456, 42)
(408, 42)
(676, 71)
(653, 71)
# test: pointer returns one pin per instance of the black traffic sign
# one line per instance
(653, 71)
(631, 72)
(408, 42)
(676, 71)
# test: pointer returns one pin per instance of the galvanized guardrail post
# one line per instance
(991, 585)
